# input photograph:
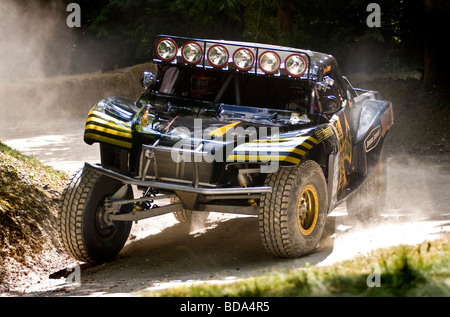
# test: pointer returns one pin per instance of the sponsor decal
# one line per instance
(372, 139)
(324, 133)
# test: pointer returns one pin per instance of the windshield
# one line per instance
(234, 89)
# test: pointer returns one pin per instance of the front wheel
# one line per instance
(292, 216)
(82, 223)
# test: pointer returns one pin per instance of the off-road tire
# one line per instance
(287, 229)
(189, 216)
(370, 199)
(82, 234)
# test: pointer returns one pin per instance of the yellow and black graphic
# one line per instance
(102, 128)
(342, 131)
(289, 150)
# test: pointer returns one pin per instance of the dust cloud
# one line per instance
(35, 44)
(35, 41)
(417, 209)
(39, 82)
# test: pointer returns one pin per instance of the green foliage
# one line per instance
(335, 27)
(130, 26)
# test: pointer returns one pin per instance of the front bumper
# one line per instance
(176, 187)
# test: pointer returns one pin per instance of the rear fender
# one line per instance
(376, 119)
(372, 112)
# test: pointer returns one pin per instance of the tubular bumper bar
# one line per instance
(175, 187)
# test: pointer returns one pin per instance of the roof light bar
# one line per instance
(257, 58)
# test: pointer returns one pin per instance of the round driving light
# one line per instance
(295, 65)
(269, 62)
(218, 56)
(166, 49)
(243, 59)
(192, 53)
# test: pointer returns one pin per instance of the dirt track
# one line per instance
(164, 253)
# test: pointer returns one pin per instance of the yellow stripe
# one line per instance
(222, 130)
(261, 158)
(313, 140)
(306, 145)
(303, 143)
(103, 116)
(104, 121)
(298, 151)
(282, 139)
(269, 149)
(100, 138)
(110, 131)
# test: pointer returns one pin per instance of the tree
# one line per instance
(126, 28)
(436, 67)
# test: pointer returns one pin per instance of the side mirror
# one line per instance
(147, 79)
(325, 84)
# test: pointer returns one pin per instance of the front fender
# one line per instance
(110, 121)
(287, 150)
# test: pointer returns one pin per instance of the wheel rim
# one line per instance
(104, 229)
(308, 210)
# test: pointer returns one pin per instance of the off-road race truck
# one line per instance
(230, 127)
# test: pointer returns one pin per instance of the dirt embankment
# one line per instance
(29, 195)
(64, 96)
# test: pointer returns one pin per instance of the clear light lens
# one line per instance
(295, 65)
(243, 59)
(269, 62)
(192, 53)
(166, 49)
(218, 56)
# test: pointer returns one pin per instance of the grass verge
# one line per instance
(405, 270)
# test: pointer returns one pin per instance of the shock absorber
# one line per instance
(244, 180)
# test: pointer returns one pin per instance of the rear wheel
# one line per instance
(369, 201)
(189, 216)
(292, 216)
(82, 222)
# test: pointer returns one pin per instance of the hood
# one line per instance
(176, 118)
(226, 133)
